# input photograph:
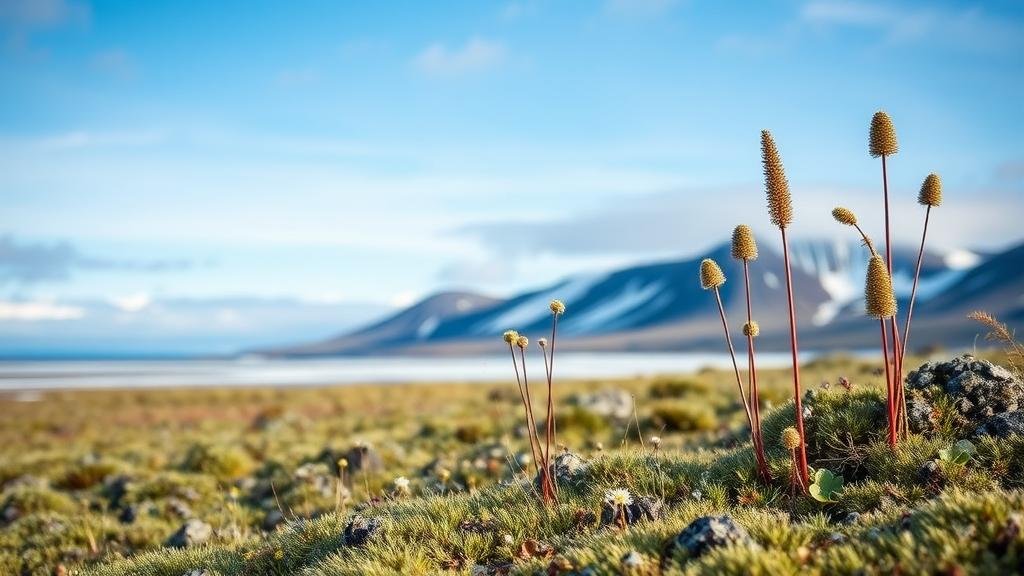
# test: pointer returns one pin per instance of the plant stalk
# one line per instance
(793, 343)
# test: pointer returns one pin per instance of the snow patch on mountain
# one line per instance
(535, 308)
(613, 312)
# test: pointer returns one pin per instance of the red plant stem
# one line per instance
(897, 383)
(890, 393)
(917, 276)
(888, 237)
(797, 393)
(551, 427)
(531, 421)
(755, 401)
(534, 449)
(732, 354)
(545, 473)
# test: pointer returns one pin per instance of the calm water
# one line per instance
(258, 372)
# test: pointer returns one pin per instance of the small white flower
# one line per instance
(618, 497)
(656, 441)
(402, 483)
(508, 539)
(697, 495)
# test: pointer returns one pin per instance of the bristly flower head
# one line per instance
(743, 245)
(711, 275)
(879, 299)
(751, 329)
(510, 336)
(542, 342)
(791, 438)
(931, 191)
(557, 307)
(780, 204)
(618, 497)
(844, 216)
(522, 342)
(882, 141)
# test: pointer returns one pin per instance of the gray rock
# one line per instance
(191, 533)
(198, 572)
(708, 532)
(642, 508)
(987, 399)
(852, 518)
(360, 529)
(272, 520)
(1002, 425)
(633, 560)
(568, 469)
(929, 473)
(363, 457)
(616, 404)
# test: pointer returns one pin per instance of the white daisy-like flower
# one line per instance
(618, 497)
(402, 483)
(656, 440)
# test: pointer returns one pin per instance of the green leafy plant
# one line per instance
(826, 486)
(959, 453)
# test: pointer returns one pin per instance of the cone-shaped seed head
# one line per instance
(780, 205)
(522, 341)
(791, 438)
(711, 275)
(931, 191)
(883, 136)
(751, 329)
(510, 336)
(879, 300)
(844, 216)
(743, 245)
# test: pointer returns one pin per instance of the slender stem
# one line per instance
(797, 393)
(732, 354)
(890, 395)
(755, 402)
(867, 241)
(917, 276)
(532, 422)
(888, 230)
(897, 361)
(534, 449)
(550, 429)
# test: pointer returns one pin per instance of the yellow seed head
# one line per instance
(844, 216)
(743, 245)
(882, 141)
(522, 342)
(711, 275)
(780, 204)
(510, 336)
(791, 438)
(879, 299)
(931, 191)
(751, 329)
(557, 307)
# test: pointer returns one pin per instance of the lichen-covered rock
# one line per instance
(568, 468)
(360, 529)
(708, 532)
(616, 404)
(985, 399)
(192, 533)
(642, 508)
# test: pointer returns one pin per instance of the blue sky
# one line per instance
(364, 154)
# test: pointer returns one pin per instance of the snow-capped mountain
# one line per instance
(661, 306)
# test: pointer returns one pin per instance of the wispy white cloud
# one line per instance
(969, 28)
(34, 311)
(115, 62)
(476, 55)
(41, 13)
